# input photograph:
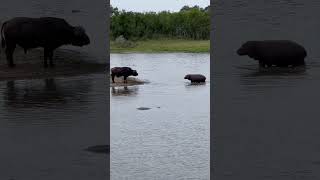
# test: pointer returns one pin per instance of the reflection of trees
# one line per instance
(124, 91)
(19, 95)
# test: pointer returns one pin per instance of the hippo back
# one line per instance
(280, 49)
(196, 77)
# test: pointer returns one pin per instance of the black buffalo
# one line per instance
(47, 32)
(122, 71)
(280, 53)
(197, 78)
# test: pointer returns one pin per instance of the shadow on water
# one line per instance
(19, 94)
(259, 79)
(274, 71)
(125, 91)
(189, 84)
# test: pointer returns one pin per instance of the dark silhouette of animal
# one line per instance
(122, 71)
(195, 78)
(282, 53)
(46, 32)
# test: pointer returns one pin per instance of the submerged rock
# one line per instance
(75, 11)
(143, 108)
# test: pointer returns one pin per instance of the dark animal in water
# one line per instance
(99, 149)
(46, 32)
(122, 71)
(195, 78)
(282, 53)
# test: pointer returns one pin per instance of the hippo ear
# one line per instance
(252, 48)
(78, 31)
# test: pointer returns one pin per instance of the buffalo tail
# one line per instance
(3, 41)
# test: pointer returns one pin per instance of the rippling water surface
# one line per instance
(170, 140)
(266, 122)
(46, 125)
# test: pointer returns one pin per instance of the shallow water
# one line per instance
(171, 139)
(266, 122)
(46, 125)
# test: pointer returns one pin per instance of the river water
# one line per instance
(266, 123)
(47, 124)
(170, 140)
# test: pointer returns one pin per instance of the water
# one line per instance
(266, 124)
(46, 124)
(170, 140)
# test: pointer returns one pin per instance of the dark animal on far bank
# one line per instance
(122, 71)
(195, 78)
(282, 53)
(46, 32)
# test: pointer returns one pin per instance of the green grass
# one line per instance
(164, 45)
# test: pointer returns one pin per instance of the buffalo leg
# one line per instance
(125, 79)
(298, 63)
(46, 54)
(9, 54)
(50, 53)
(261, 64)
(112, 75)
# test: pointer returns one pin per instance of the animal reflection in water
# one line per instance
(274, 71)
(23, 95)
(124, 91)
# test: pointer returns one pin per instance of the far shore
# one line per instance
(164, 46)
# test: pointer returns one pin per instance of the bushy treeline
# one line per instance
(188, 23)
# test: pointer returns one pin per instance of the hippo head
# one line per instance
(80, 38)
(247, 48)
(187, 77)
(134, 73)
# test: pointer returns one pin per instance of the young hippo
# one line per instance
(122, 71)
(195, 78)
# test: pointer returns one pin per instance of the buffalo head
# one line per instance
(80, 38)
(134, 73)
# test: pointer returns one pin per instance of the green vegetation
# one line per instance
(164, 45)
(185, 31)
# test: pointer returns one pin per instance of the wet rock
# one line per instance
(131, 81)
(143, 108)
(99, 149)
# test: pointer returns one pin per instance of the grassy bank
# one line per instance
(164, 45)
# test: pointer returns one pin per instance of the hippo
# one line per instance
(281, 53)
(197, 78)
(46, 32)
(122, 71)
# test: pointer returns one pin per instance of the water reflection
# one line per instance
(125, 91)
(21, 94)
(189, 84)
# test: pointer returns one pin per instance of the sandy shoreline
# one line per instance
(30, 65)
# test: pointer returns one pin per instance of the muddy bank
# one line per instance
(131, 81)
(67, 63)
